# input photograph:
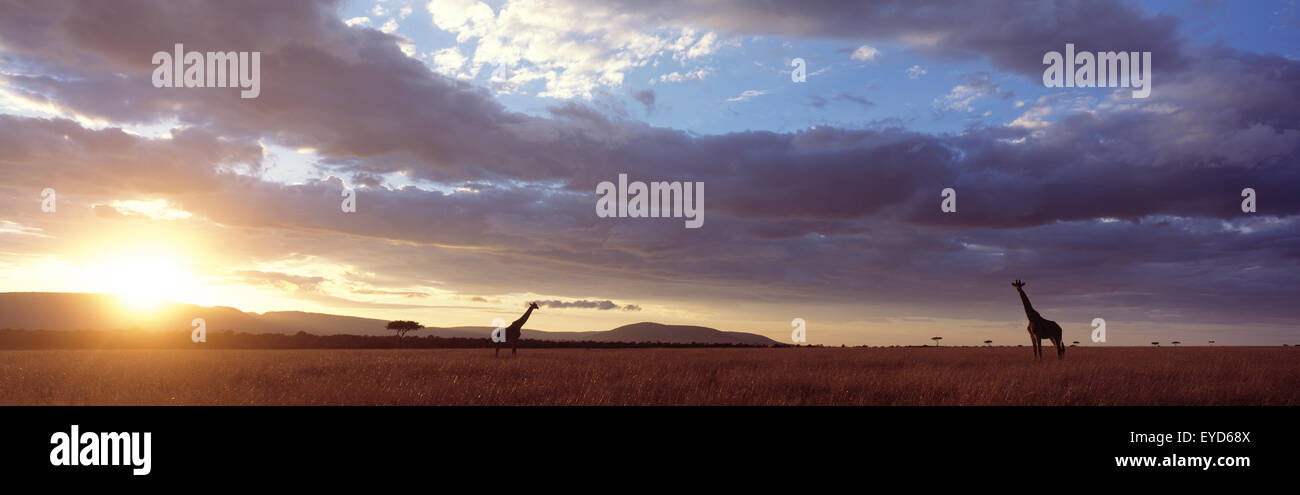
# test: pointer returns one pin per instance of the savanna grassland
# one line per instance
(758, 376)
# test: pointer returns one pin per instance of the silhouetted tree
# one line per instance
(1211, 342)
(401, 327)
(936, 340)
(988, 343)
(1176, 342)
(1157, 344)
(1076, 343)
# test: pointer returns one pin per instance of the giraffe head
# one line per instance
(532, 305)
(1018, 284)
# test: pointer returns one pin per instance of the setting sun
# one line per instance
(145, 282)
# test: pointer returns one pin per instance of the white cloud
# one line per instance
(749, 93)
(1035, 118)
(573, 50)
(467, 18)
(358, 21)
(8, 227)
(450, 62)
(865, 53)
(916, 71)
(676, 77)
(959, 99)
(706, 45)
(157, 209)
(389, 27)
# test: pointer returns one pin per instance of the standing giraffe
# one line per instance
(515, 330)
(1040, 328)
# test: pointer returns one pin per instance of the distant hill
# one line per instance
(658, 332)
(636, 332)
(74, 311)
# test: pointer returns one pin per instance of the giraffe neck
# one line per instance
(1029, 308)
(523, 319)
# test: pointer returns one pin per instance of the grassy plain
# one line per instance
(777, 376)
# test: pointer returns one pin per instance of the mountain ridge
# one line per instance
(88, 311)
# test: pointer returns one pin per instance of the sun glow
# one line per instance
(145, 282)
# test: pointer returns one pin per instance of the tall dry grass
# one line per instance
(792, 376)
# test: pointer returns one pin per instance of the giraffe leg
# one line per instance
(1060, 348)
(498, 344)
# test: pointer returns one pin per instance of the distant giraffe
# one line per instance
(1040, 328)
(515, 330)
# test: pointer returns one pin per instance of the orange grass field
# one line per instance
(760, 376)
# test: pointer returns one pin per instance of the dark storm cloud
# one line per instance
(60, 151)
(399, 116)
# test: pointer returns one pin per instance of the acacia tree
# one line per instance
(988, 343)
(401, 327)
(936, 340)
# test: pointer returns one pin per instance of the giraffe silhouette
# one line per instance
(1040, 328)
(515, 330)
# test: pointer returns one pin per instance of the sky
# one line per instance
(473, 136)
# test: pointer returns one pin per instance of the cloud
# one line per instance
(572, 50)
(749, 93)
(157, 209)
(647, 98)
(676, 77)
(865, 53)
(916, 71)
(9, 227)
(855, 100)
(450, 62)
(281, 280)
(605, 305)
(1012, 37)
(962, 96)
